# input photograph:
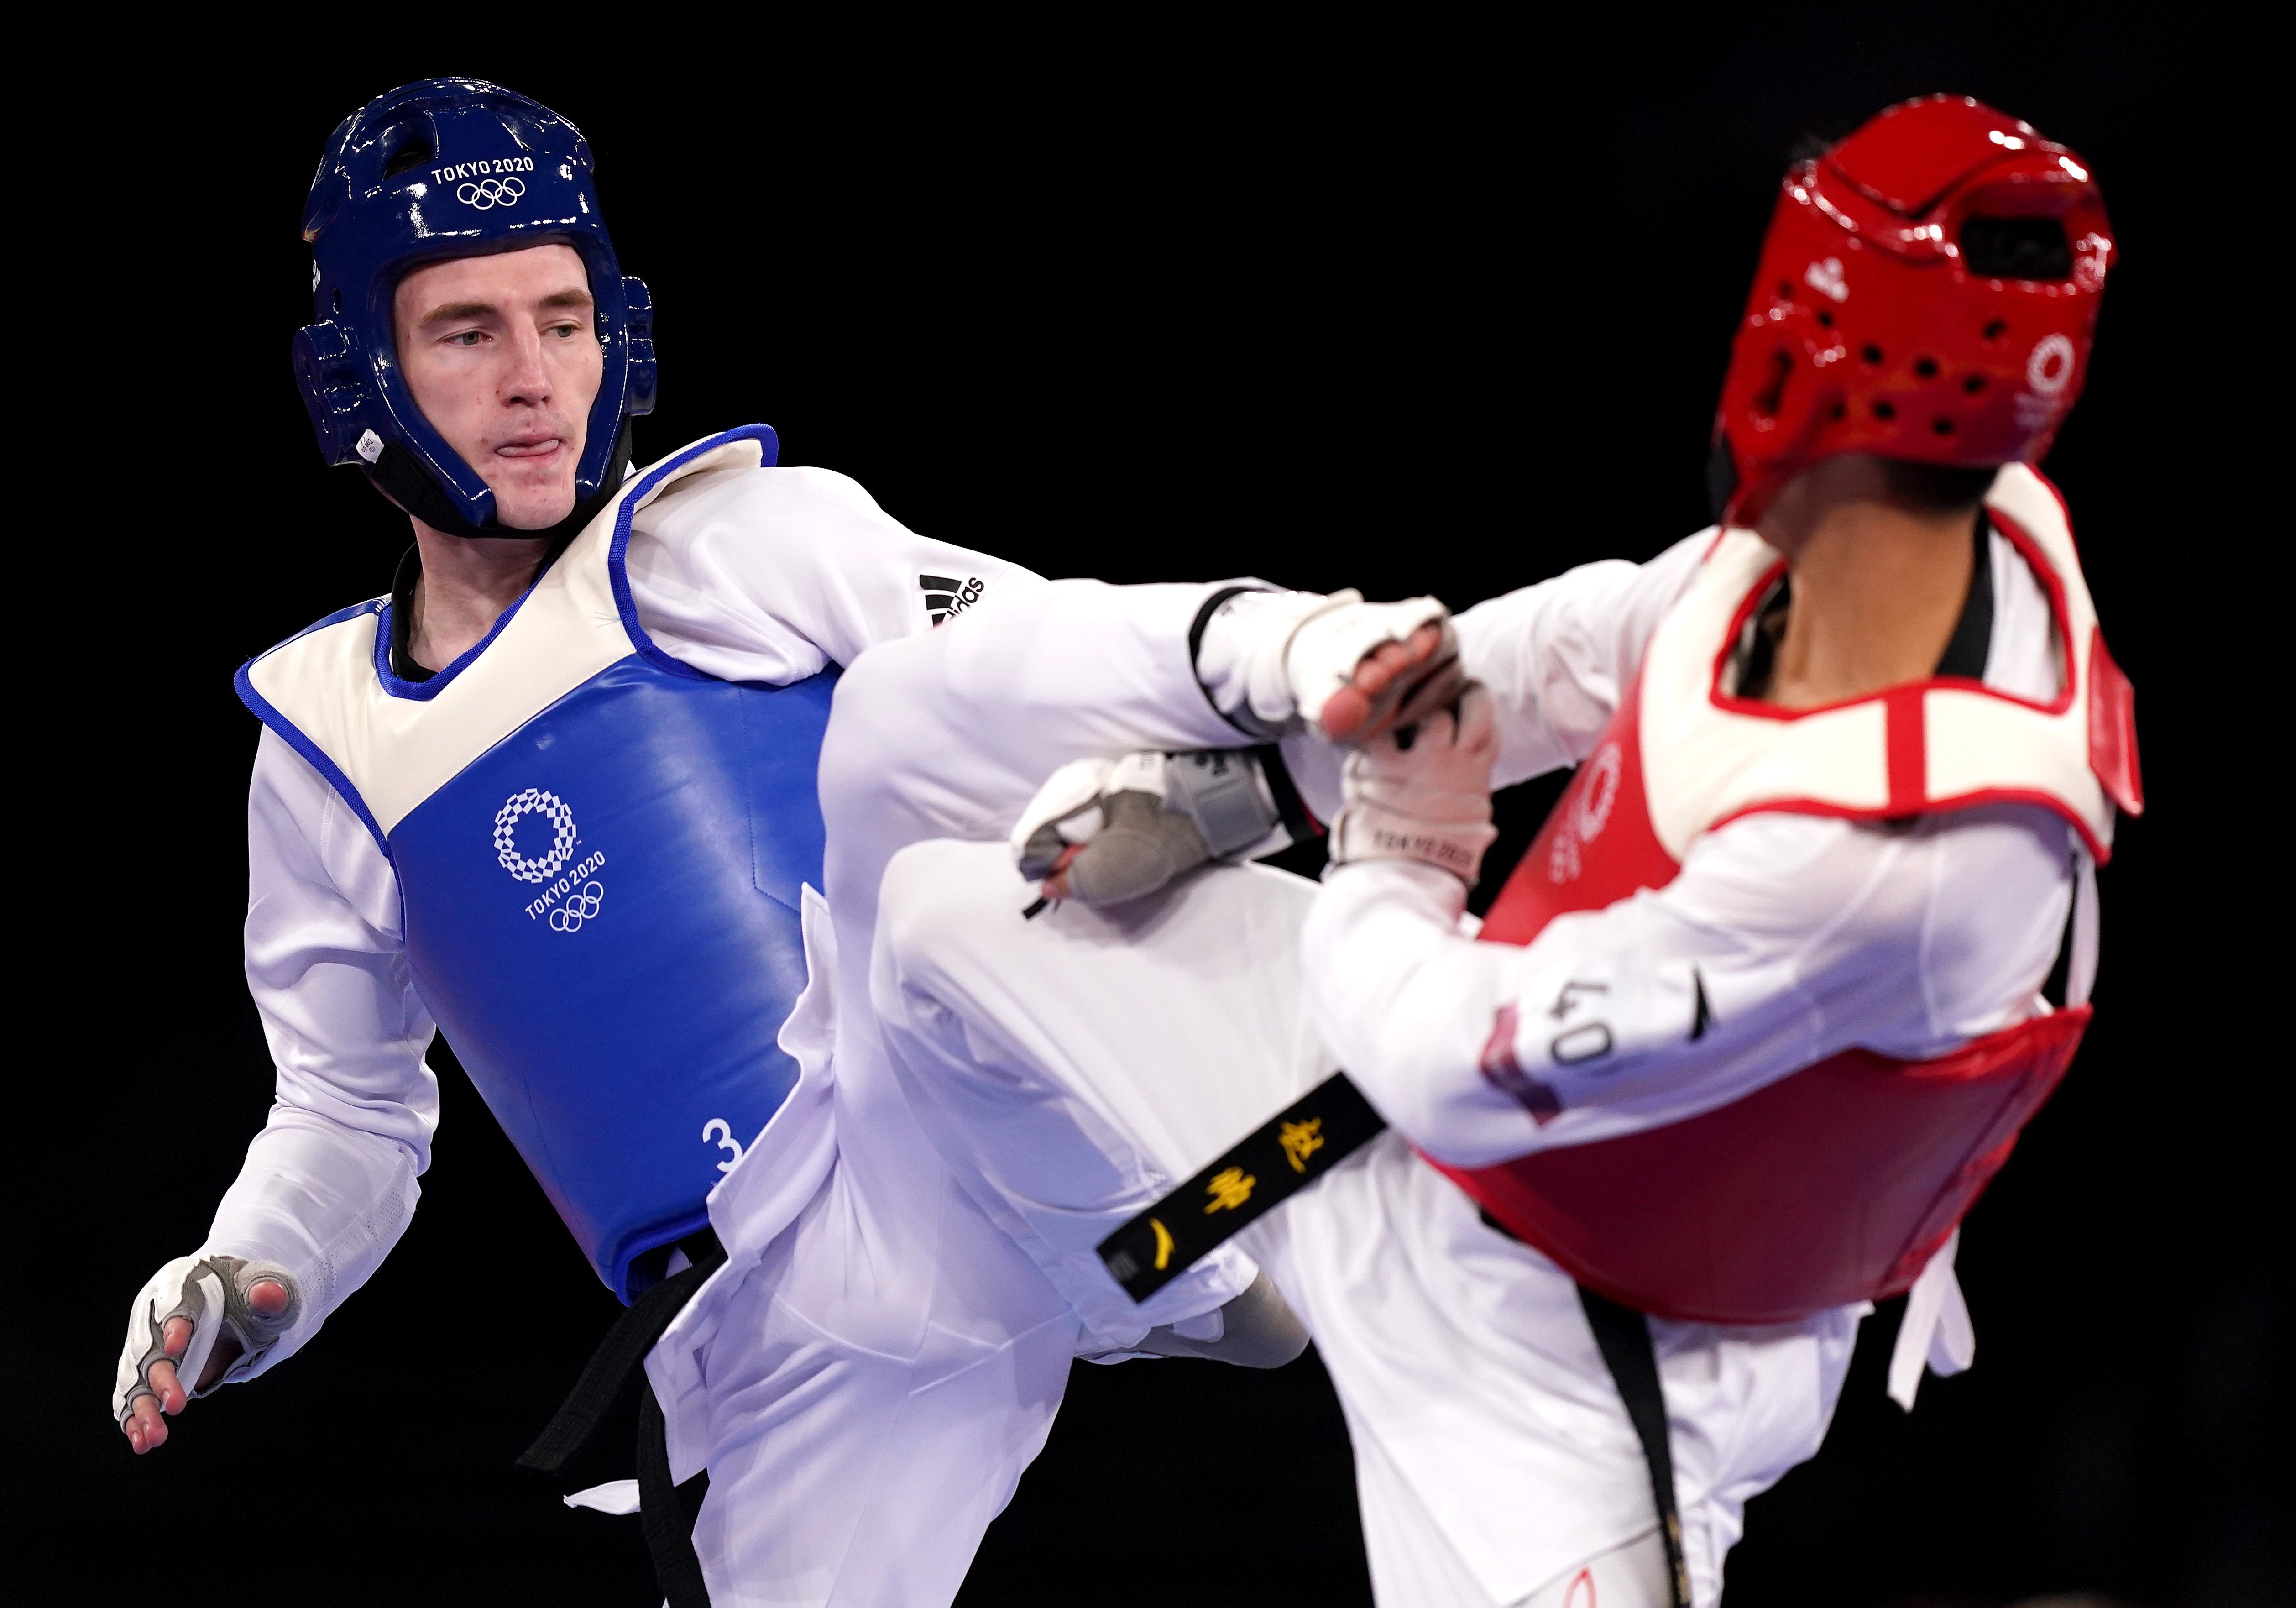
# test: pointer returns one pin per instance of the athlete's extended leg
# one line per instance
(1076, 1067)
(893, 1356)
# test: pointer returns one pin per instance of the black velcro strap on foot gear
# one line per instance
(667, 1513)
(1276, 1161)
(1623, 1336)
(619, 1356)
(1291, 809)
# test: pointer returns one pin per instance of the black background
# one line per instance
(1436, 307)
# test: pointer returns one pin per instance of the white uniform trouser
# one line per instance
(862, 1438)
(1074, 1068)
(881, 1357)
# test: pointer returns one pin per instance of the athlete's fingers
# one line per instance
(1346, 711)
(174, 1339)
(167, 1387)
(1343, 711)
(145, 1427)
(267, 1296)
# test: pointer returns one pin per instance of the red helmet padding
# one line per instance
(1866, 330)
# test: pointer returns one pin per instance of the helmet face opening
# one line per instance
(1928, 293)
(441, 168)
(2016, 248)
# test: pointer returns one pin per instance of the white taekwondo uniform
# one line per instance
(875, 1365)
(1076, 1067)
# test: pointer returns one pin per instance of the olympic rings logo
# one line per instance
(578, 909)
(534, 801)
(491, 193)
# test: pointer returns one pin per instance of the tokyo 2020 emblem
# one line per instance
(534, 801)
(569, 897)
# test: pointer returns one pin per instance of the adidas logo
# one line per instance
(945, 596)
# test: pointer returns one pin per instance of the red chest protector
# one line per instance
(1838, 1182)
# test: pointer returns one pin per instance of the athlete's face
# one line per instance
(502, 356)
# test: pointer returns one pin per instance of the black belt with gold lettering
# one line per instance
(1274, 1162)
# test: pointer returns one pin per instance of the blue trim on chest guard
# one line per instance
(287, 733)
(422, 691)
(618, 555)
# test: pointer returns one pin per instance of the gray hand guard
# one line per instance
(212, 1297)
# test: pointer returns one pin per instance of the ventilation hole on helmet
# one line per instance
(1768, 400)
(1826, 319)
(1785, 289)
(1974, 384)
(1943, 427)
(1872, 354)
(1841, 410)
(2016, 248)
(1926, 367)
(407, 159)
(1997, 329)
(1883, 410)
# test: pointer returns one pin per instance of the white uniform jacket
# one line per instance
(1810, 935)
(754, 574)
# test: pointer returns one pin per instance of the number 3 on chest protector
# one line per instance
(719, 1131)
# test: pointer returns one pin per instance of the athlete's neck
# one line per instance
(1877, 584)
(466, 583)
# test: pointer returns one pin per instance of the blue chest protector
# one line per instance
(600, 854)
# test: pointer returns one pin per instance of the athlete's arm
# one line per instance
(1557, 656)
(329, 1185)
(773, 575)
(1784, 938)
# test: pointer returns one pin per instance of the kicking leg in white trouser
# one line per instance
(1074, 1068)
(866, 1382)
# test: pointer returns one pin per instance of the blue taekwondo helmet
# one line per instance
(453, 168)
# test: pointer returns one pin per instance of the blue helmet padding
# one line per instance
(451, 168)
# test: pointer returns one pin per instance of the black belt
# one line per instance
(1295, 1148)
(665, 1510)
(1266, 1168)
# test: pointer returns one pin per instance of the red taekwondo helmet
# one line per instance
(1928, 290)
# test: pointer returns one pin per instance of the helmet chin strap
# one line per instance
(399, 475)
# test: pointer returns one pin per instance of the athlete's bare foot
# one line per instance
(1056, 886)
